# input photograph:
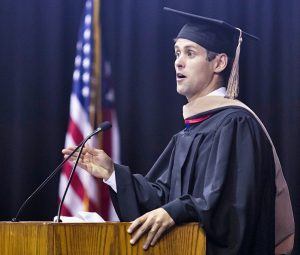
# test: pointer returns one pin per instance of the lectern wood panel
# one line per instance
(26, 238)
(39, 238)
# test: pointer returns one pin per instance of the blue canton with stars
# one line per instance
(83, 61)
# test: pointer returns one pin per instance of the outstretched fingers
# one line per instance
(94, 161)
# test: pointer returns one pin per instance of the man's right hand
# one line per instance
(94, 161)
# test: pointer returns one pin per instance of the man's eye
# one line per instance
(190, 53)
(177, 53)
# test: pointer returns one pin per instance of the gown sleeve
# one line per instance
(137, 194)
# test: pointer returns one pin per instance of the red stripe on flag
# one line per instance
(65, 211)
(75, 132)
(93, 207)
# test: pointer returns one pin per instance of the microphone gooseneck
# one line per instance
(102, 127)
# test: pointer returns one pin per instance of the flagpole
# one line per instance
(96, 100)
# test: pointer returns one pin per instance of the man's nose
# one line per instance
(179, 62)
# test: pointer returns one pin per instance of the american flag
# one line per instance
(91, 101)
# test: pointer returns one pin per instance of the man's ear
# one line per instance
(221, 62)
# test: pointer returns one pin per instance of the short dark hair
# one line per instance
(210, 55)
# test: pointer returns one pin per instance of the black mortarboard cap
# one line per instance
(212, 34)
(217, 36)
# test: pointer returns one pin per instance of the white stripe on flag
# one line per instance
(69, 140)
(79, 116)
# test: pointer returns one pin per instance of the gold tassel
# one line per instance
(233, 81)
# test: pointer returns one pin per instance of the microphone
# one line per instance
(102, 127)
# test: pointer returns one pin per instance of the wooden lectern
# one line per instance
(45, 238)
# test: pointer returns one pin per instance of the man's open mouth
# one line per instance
(180, 76)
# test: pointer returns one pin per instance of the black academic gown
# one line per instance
(220, 173)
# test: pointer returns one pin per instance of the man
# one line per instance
(221, 170)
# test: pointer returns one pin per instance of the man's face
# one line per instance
(194, 73)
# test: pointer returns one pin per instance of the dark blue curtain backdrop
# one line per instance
(37, 48)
